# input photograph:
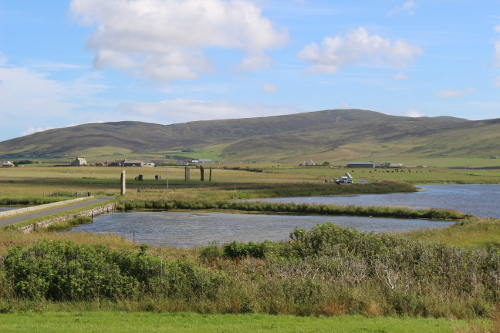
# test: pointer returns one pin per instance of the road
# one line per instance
(363, 181)
(29, 216)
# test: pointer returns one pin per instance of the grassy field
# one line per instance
(37, 180)
(192, 323)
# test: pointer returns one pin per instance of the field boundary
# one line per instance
(94, 211)
(42, 207)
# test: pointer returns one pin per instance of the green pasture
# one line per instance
(95, 321)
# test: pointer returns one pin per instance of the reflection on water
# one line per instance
(192, 229)
(478, 200)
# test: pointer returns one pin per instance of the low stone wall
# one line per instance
(40, 207)
(89, 212)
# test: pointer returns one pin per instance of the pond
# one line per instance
(183, 229)
(478, 200)
(3, 209)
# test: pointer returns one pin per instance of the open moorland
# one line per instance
(326, 277)
(336, 136)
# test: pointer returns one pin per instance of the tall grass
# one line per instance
(325, 271)
(374, 211)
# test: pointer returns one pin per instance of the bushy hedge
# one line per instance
(57, 271)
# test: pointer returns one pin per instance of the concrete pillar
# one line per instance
(187, 174)
(122, 183)
(202, 172)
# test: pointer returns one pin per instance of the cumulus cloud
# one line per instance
(455, 93)
(414, 114)
(358, 47)
(31, 99)
(269, 88)
(407, 7)
(165, 39)
(400, 76)
(32, 130)
(184, 110)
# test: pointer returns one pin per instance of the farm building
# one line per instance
(389, 165)
(361, 165)
(79, 161)
(127, 163)
(7, 164)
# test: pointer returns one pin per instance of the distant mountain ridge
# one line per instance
(286, 138)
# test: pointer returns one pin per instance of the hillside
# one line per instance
(324, 135)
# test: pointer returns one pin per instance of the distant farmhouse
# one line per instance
(6, 164)
(130, 163)
(79, 161)
(361, 165)
(389, 165)
(307, 163)
(188, 161)
(374, 165)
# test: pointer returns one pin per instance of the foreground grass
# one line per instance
(473, 232)
(189, 322)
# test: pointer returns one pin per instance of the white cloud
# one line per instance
(254, 63)
(497, 28)
(269, 88)
(407, 7)
(497, 83)
(358, 47)
(345, 105)
(414, 114)
(455, 93)
(184, 110)
(32, 130)
(30, 99)
(400, 76)
(165, 39)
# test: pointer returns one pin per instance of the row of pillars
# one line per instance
(187, 174)
(187, 177)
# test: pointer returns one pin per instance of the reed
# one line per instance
(254, 206)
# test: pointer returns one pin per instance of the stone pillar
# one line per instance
(202, 172)
(210, 179)
(122, 183)
(187, 174)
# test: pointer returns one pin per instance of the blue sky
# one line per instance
(64, 63)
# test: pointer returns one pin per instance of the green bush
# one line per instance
(68, 271)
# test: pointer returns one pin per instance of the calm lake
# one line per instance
(478, 200)
(192, 229)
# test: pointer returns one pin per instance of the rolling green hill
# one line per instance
(332, 135)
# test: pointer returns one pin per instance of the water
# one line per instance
(3, 209)
(478, 200)
(193, 229)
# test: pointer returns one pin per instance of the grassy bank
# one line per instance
(472, 232)
(257, 206)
